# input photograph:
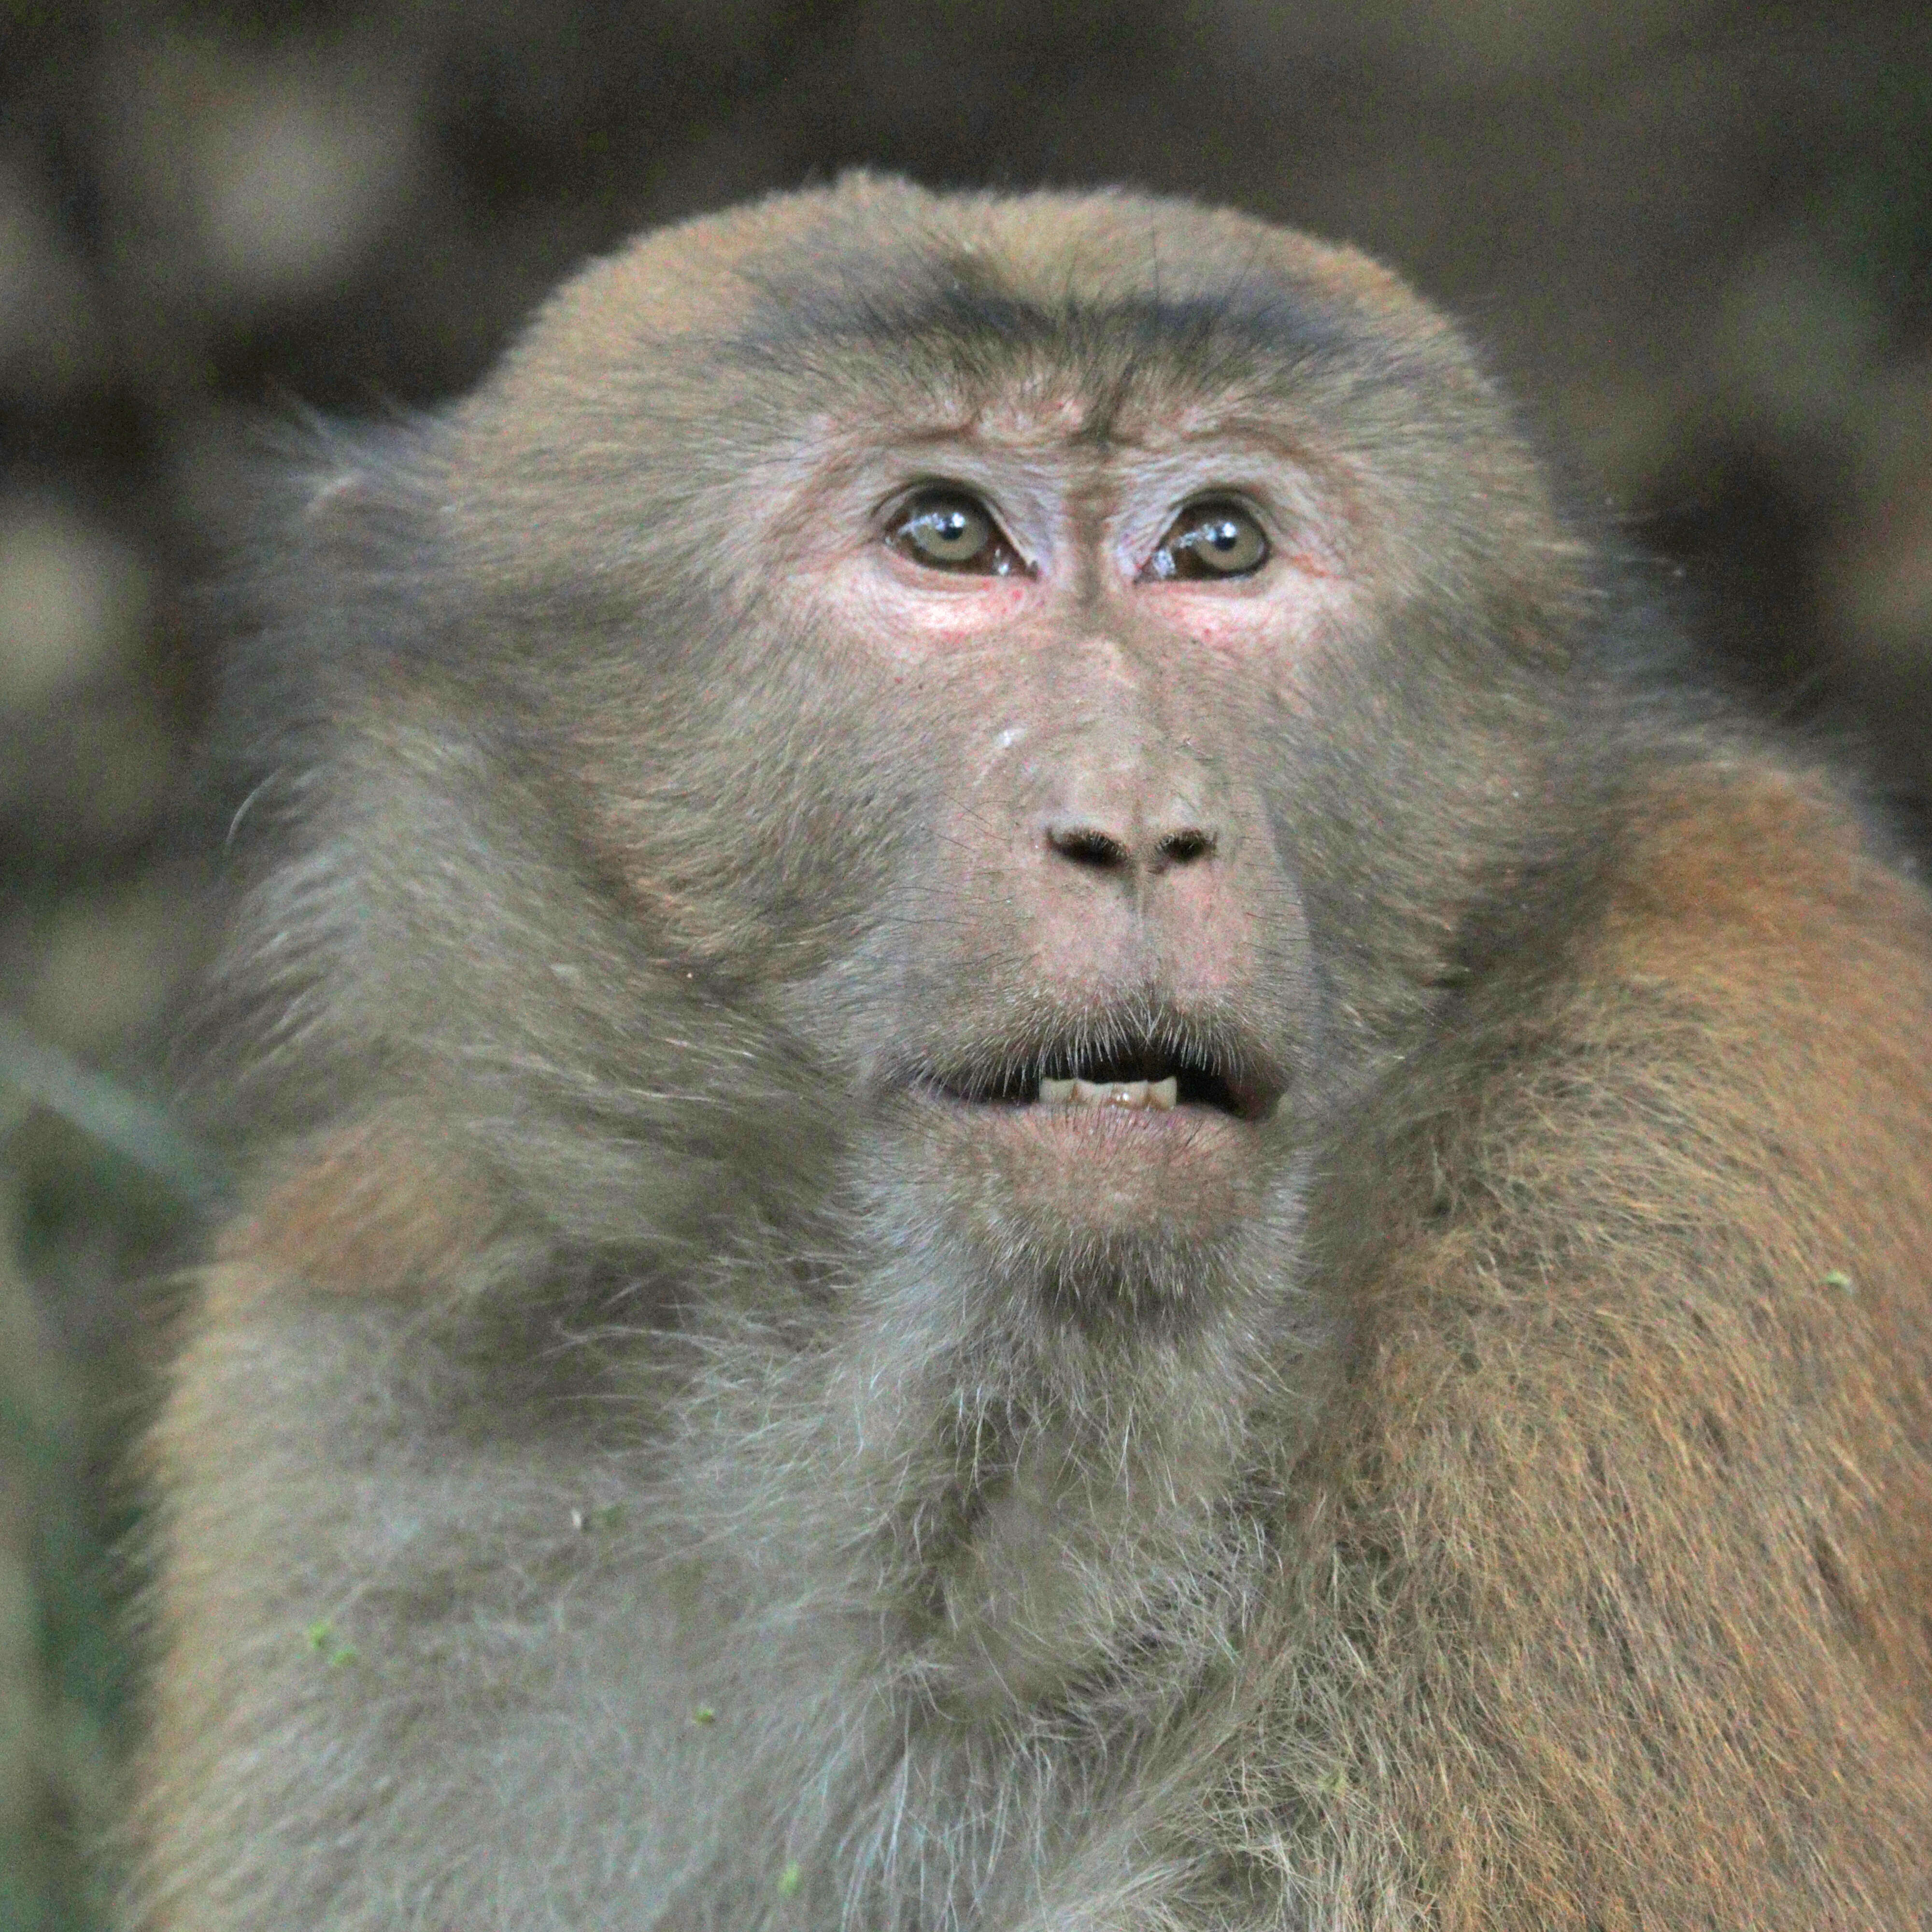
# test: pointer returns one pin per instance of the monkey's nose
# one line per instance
(1178, 842)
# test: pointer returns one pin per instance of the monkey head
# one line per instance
(1068, 708)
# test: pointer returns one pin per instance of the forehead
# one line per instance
(1096, 321)
(1093, 297)
(957, 339)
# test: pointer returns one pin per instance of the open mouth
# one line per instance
(1144, 1074)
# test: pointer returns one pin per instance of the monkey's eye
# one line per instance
(1216, 538)
(946, 529)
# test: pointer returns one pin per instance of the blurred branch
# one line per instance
(136, 1129)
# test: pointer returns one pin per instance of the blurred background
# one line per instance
(1698, 237)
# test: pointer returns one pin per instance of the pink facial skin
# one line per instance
(1104, 847)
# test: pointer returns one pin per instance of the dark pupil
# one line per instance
(1224, 534)
(950, 526)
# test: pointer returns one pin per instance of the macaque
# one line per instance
(1038, 1135)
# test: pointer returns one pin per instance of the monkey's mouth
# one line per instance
(1142, 1076)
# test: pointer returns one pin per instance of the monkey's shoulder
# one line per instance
(1758, 884)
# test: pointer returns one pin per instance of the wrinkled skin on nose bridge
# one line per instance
(1129, 793)
(1127, 750)
(1109, 836)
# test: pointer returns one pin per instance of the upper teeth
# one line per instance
(1160, 1095)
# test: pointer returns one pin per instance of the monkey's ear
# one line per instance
(340, 492)
(332, 516)
(354, 496)
(341, 510)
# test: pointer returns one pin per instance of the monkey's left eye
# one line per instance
(1216, 538)
(946, 529)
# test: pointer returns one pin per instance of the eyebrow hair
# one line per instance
(950, 315)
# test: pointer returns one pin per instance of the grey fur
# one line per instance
(697, 1514)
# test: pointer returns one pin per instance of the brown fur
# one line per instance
(641, 1461)
(1641, 1423)
(374, 1209)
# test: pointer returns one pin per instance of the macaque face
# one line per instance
(1033, 698)
(1104, 987)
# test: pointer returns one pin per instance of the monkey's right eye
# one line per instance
(946, 529)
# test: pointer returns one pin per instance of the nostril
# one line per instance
(1086, 845)
(1182, 848)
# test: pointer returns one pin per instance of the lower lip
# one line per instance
(1169, 1129)
(1105, 1169)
